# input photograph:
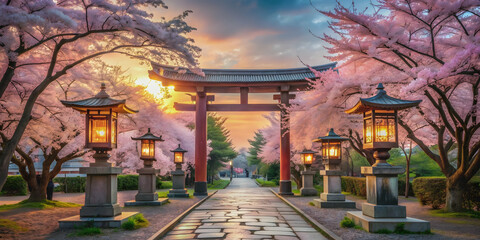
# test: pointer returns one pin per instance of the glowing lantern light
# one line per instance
(148, 145)
(101, 119)
(178, 155)
(307, 157)
(331, 147)
(380, 121)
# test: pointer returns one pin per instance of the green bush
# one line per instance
(135, 222)
(15, 185)
(347, 223)
(74, 184)
(127, 182)
(401, 188)
(431, 191)
(355, 185)
(165, 185)
(264, 183)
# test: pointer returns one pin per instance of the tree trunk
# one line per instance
(407, 179)
(38, 194)
(455, 190)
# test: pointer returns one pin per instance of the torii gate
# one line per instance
(243, 81)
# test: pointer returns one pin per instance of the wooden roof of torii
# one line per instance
(231, 80)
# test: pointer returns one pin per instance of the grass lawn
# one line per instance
(40, 205)
(442, 213)
(9, 225)
(264, 183)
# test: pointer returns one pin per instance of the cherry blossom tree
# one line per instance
(425, 50)
(48, 39)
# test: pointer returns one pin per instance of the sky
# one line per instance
(252, 34)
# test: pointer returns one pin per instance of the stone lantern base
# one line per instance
(147, 191)
(381, 211)
(178, 181)
(101, 205)
(307, 184)
(332, 196)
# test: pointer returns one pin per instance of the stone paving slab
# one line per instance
(244, 211)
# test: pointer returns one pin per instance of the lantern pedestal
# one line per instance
(147, 190)
(307, 186)
(178, 181)
(381, 211)
(101, 205)
(332, 196)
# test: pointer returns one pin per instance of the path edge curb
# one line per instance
(322, 229)
(159, 234)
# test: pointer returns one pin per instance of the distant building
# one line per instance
(69, 169)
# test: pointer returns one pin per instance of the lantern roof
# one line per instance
(305, 151)
(381, 101)
(331, 135)
(179, 149)
(149, 136)
(101, 101)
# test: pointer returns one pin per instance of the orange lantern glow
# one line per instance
(331, 147)
(101, 119)
(179, 155)
(307, 157)
(148, 145)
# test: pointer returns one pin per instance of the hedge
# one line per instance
(74, 184)
(358, 186)
(431, 191)
(15, 186)
(355, 185)
(127, 182)
(124, 182)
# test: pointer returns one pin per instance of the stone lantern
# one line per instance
(101, 113)
(381, 211)
(147, 180)
(332, 196)
(178, 176)
(307, 189)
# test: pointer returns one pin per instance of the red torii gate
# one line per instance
(243, 81)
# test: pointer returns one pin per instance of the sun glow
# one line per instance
(160, 93)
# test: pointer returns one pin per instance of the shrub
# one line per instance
(355, 185)
(127, 182)
(15, 185)
(347, 223)
(135, 222)
(165, 185)
(431, 191)
(401, 188)
(264, 183)
(74, 184)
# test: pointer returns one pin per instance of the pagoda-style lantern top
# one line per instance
(101, 119)
(307, 157)
(331, 147)
(380, 118)
(148, 145)
(179, 155)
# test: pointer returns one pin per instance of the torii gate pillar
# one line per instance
(200, 144)
(285, 182)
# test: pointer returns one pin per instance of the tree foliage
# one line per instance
(221, 146)
(43, 41)
(427, 50)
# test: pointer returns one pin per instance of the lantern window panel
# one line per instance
(331, 150)
(178, 157)
(98, 129)
(148, 149)
(384, 128)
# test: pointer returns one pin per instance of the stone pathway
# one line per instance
(244, 211)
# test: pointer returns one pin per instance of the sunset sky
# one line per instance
(252, 34)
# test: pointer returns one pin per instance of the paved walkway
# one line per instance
(244, 211)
